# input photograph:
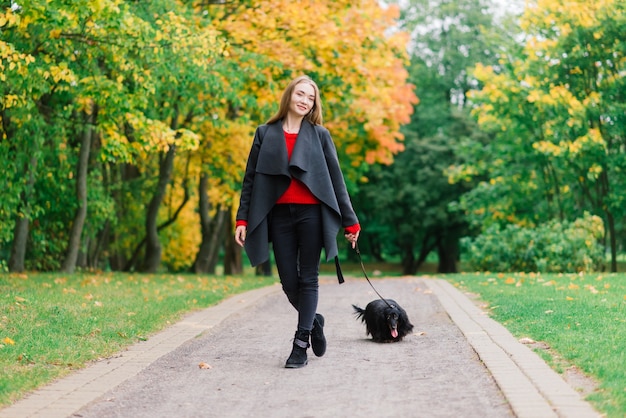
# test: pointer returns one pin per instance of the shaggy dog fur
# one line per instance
(386, 324)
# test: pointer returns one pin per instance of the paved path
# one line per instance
(458, 363)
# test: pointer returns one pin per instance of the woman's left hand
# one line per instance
(352, 238)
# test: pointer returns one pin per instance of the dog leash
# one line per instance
(358, 253)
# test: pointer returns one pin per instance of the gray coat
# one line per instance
(268, 173)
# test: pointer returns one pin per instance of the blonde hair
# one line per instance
(314, 116)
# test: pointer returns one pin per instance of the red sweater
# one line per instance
(297, 192)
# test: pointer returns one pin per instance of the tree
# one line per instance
(81, 192)
(362, 78)
(363, 81)
(412, 196)
(31, 89)
(178, 87)
(557, 110)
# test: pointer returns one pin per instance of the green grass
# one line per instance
(581, 317)
(53, 324)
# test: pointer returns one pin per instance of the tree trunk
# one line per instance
(212, 231)
(131, 262)
(375, 248)
(22, 223)
(428, 245)
(410, 264)
(20, 238)
(116, 178)
(152, 259)
(69, 265)
(233, 263)
(605, 189)
(613, 240)
(408, 260)
(82, 261)
(448, 251)
(207, 257)
(101, 242)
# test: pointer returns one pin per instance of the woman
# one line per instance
(294, 195)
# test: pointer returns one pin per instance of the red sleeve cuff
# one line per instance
(352, 229)
(241, 222)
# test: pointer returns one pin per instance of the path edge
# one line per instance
(65, 396)
(531, 387)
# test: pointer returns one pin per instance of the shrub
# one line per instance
(553, 247)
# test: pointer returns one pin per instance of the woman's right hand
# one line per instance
(352, 238)
(240, 235)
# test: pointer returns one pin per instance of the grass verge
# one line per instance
(53, 324)
(582, 318)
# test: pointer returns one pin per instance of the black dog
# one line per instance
(385, 320)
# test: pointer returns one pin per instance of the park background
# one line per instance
(466, 134)
(474, 136)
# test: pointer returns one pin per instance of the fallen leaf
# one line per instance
(204, 365)
(526, 340)
(8, 341)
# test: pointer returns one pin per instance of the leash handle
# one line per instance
(358, 253)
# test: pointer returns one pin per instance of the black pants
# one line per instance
(296, 234)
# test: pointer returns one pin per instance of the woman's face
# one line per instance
(302, 99)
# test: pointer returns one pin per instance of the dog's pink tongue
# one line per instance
(394, 333)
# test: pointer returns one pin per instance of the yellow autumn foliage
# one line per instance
(359, 66)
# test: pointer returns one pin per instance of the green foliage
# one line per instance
(408, 207)
(564, 247)
(555, 109)
(150, 77)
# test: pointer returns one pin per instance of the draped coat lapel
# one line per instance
(268, 175)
